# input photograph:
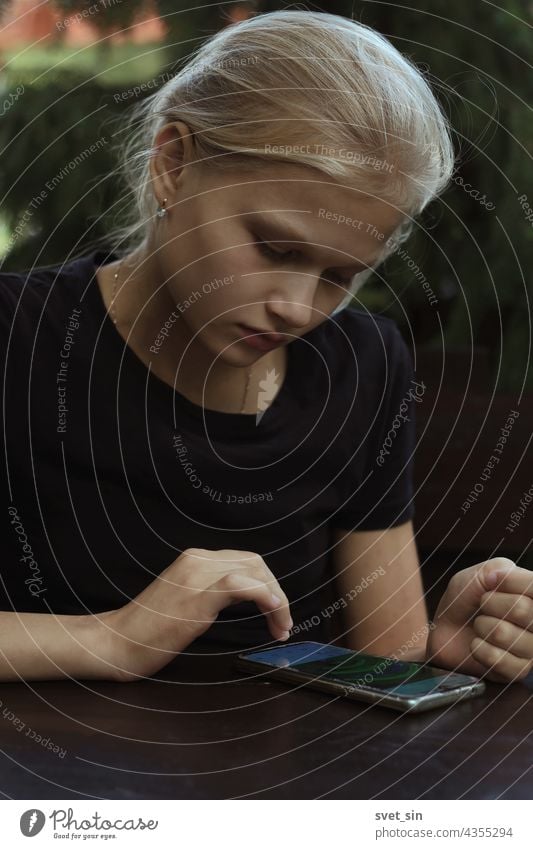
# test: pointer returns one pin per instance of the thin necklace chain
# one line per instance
(114, 319)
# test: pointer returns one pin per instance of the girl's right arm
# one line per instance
(44, 646)
(138, 639)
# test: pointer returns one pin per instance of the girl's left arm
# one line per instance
(483, 624)
(380, 590)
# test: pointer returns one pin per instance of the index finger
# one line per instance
(281, 611)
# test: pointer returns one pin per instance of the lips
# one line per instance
(266, 335)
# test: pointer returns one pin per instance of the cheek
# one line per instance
(219, 300)
(231, 277)
(214, 281)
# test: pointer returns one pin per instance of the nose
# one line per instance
(291, 302)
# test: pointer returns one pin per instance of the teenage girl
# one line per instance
(203, 438)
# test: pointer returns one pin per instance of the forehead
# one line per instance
(321, 209)
(350, 224)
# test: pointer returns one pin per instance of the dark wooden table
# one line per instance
(199, 729)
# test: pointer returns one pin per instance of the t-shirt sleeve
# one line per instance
(383, 498)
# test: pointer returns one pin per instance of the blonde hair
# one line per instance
(303, 87)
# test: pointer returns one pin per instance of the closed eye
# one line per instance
(283, 256)
(278, 256)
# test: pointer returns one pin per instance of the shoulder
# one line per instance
(43, 277)
(25, 294)
(366, 341)
(360, 354)
(368, 328)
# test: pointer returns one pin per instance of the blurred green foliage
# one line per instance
(476, 258)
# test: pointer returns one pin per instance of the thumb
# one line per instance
(499, 567)
(463, 594)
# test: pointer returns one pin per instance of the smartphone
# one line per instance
(401, 685)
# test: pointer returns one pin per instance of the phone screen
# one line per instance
(357, 669)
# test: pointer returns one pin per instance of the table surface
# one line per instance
(202, 729)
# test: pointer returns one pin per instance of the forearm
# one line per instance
(406, 652)
(415, 655)
(378, 575)
(43, 646)
(418, 649)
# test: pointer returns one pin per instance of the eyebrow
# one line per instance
(290, 233)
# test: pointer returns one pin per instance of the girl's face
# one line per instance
(275, 251)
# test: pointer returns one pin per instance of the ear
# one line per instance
(172, 150)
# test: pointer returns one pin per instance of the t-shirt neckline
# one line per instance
(216, 421)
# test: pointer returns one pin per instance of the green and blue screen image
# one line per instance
(351, 668)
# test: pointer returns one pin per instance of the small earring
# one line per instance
(161, 211)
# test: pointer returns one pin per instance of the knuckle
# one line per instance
(258, 565)
(502, 632)
(492, 655)
(250, 560)
(258, 561)
(276, 589)
(258, 558)
(523, 610)
(194, 552)
(480, 625)
(231, 582)
(252, 556)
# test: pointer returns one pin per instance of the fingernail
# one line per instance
(285, 635)
(276, 600)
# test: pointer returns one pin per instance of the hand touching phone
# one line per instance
(184, 601)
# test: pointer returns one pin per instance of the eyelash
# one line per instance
(279, 256)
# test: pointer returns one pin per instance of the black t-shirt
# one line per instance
(108, 475)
